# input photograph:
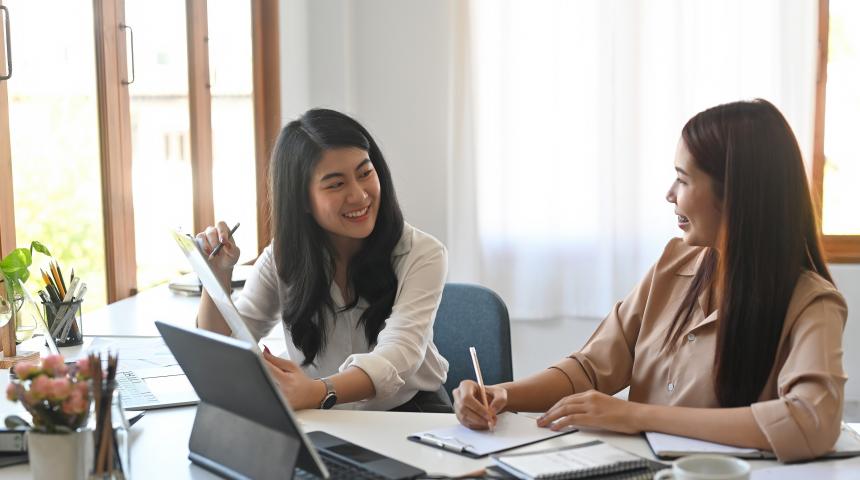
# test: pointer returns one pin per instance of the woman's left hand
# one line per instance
(301, 390)
(592, 409)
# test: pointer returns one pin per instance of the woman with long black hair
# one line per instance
(355, 287)
(735, 334)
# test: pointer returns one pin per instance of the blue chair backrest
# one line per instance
(473, 316)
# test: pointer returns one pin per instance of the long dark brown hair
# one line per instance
(768, 237)
(304, 256)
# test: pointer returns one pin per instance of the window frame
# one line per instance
(114, 125)
(837, 248)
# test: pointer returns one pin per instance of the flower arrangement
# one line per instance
(58, 397)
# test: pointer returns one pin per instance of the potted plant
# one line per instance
(59, 399)
(15, 267)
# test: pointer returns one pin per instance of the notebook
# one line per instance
(511, 431)
(667, 446)
(576, 461)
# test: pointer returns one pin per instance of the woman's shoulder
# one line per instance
(680, 258)
(813, 287)
(417, 243)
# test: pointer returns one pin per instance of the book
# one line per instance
(189, 284)
(512, 431)
(585, 460)
(667, 446)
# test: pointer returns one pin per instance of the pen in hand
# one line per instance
(221, 244)
(480, 379)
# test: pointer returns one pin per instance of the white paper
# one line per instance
(511, 430)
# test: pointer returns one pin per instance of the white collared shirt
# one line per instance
(404, 359)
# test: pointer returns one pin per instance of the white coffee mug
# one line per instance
(706, 467)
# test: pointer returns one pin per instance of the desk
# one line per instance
(159, 441)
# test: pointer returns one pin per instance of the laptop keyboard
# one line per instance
(338, 469)
(133, 391)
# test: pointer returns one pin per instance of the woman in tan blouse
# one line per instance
(735, 334)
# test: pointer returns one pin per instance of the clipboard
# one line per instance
(512, 431)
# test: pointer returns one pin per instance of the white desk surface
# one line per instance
(159, 441)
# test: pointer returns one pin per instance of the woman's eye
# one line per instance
(366, 174)
(334, 186)
(678, 180)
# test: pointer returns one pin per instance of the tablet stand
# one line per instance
(234, 447)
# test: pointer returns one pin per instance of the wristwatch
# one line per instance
(330, 398)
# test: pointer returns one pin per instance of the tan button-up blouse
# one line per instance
(800, 408)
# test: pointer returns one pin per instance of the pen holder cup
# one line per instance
(65, 322)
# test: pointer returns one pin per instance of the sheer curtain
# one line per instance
(566, 115)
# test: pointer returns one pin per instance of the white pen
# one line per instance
(480, 379)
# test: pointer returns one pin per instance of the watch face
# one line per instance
(329, 401)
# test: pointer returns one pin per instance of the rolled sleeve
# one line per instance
(403, 342)
(805, 421)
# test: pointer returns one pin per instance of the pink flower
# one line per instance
(76, 404)
(54, 365)
(83, 388)
(12, 392)
(26, 370)
(60, 389)
(83, 368)
(40, 388)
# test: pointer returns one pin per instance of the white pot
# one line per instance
(60, 456)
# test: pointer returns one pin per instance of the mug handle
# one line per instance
(665, 474)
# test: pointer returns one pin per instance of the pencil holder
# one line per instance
(65, 322)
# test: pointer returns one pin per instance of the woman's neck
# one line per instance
(344, 249)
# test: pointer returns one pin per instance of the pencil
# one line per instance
(221, 244)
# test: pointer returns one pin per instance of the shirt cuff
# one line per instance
(782, 431)
(571, 367)
(386, 381)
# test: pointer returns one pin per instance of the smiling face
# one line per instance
(696, 204)
(344, 195)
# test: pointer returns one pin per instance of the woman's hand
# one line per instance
(228, 256)
(301, 391)
(469, 406)
(592, 409)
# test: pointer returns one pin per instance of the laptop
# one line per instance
(158, 387)
(245, 428)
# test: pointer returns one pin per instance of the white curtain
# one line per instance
(566, 115)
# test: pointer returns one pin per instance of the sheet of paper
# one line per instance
(661, 442)
(511, 431)
(134, 352)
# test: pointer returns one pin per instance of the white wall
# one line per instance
(388, 63)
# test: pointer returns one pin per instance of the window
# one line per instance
(110, 131)
(836, 162)
(53, 123)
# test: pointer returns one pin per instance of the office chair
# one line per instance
(473, 316)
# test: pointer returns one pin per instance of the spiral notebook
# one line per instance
(576, 461)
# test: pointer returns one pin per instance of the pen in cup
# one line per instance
(221, 244)
(480, 379)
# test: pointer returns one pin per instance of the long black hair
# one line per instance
(768, 237)
(304, 256)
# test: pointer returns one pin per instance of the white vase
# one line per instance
(60, 456)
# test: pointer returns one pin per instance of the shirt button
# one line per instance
(670, 387)
(691, 337)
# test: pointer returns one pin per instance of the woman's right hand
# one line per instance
(470, 409)
(228, 256)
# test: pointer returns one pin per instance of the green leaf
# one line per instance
(15, 265)
(39, 247)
